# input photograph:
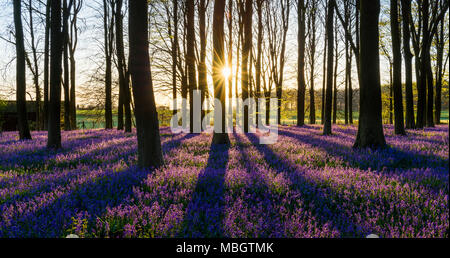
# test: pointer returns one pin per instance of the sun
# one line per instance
(226, 72)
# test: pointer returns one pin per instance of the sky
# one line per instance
(89, 56)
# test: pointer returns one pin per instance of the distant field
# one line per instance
(94, 119)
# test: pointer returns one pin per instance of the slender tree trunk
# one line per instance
(329, 87)
(121, 66)
(406, 18)
(370, 130)
(301, 83)
(324, 62)
(218, 63)
(202, 72)
(21, 102)
(149, 142)
(336, 60)
(54, 117)
(391, 94)
(440, 39)
(66, 13)
(108, 94)
(174, 57)
(73, 46)
(422, 83)
(190, 59)
(246, 62)
(312, 54)
(230, 62)
(397, 69)
(46, 63)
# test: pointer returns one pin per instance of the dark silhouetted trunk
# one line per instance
(149, 142)
(218, 63)
(440, 45)
(202, 72)
(301, 83)
(246, 62)
(190, 59)
(259, 7)
(107, 47)
(327, 130)
(46, 63)
(406, 18)
(397, 70)
(24, 130)
(174, 57)
(312, 56)
(370, 129)
(124, 79)
(66, 84)
(54, 117)
(336, 60)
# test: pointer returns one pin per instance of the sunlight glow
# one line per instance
(226, 72)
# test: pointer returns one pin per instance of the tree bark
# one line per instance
(301, 83)
(66, 84)
(370, 129)
(406, 18)
(149, 142)
(202, 72)
(246, 49)
(190, 59)
(218, 64)
(397, 70)
(107, 44)
(327, 130)
(21, 102)
(124, 82)
(54, 117)
(312, 56)
(46, 63)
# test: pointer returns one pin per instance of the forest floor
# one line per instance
(305, 185)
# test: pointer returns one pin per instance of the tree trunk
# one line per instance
(312, 55)
(202, 72)
(66, 13)
(397, 70)
(108, 94)
(124, 82)
(246, 49)
(336, 60)
(230, 63)
(440, 39)
(301, 83)
(46, 63)
(149, 142)
(370, 129)
(190, 59)
(422, 83)
(54, 117)
(174, 58)
(220, 136)
(406, 17)
(330, 57)
(21, 102)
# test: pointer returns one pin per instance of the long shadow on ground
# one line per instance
(204, 213)
(49, 216)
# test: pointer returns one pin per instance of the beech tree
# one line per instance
(370, 128)
(54, 121)
(149, 142)
(21, 103)
(218, 65)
